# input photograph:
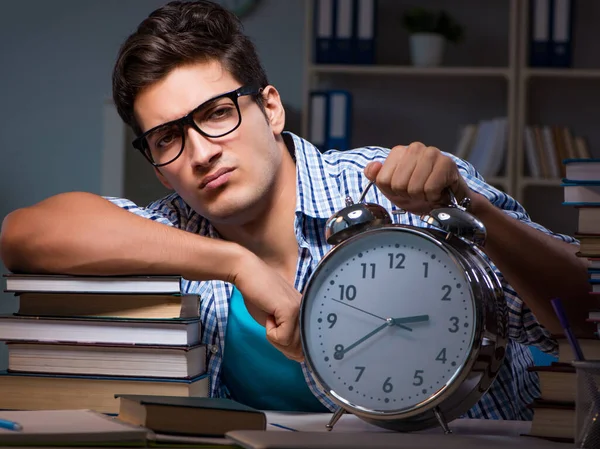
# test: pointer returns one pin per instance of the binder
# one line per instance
(340, 106)
(539, 33)
(364, 31)
(323, 30)
(343, 33)
(562, 33)
(319, 119)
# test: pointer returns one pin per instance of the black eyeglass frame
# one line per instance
(140, 143)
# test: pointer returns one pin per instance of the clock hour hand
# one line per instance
(339, 354)
(411, 319)
(373, 315)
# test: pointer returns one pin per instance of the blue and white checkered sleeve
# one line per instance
(170, 210)
(524, 327)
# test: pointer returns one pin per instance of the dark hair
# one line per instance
(182, 33)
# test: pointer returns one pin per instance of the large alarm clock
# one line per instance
(404, 326)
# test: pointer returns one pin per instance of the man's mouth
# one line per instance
(216, 179)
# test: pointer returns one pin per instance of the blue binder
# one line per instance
(324, 22)
(343, 39)
(340, 112)
(539, 33)
(319, 119)
(365, 27)
(562, 33)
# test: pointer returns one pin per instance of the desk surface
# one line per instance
(351, 432)
(315, 422)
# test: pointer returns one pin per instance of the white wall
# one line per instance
(56, 63)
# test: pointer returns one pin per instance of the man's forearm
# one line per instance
(538, 266)
(79, 233)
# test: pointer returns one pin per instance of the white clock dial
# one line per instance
(388, 320)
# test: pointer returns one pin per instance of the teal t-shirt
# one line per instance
(256, 373)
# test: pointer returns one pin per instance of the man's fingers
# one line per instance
(372, 170)
(285, 340)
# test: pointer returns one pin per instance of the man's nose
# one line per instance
(201, 151)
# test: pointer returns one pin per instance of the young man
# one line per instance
(246, 222)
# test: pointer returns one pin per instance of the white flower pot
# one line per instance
(426, 49)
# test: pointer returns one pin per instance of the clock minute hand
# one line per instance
(372, 314)
(340, 354)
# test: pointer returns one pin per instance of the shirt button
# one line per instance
(214, 349)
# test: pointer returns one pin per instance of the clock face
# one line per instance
(388, 320)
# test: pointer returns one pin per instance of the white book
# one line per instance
(482, 144)
(531, 153)
(465, 141)
(498, 151)
(107, 360)
(583, 193)
(550, 152)
(582, 169)
(171, 332)
(92, 284)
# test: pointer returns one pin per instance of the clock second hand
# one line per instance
(372, 314)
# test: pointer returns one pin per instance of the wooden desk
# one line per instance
(351, 432)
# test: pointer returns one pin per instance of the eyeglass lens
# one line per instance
(214, 119)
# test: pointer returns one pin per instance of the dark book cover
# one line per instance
(190, 402)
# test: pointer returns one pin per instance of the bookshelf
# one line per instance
(557, 96)
(490, 76)
(487, 75)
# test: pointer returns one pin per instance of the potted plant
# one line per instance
(429, 30)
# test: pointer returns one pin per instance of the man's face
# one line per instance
(225, 179)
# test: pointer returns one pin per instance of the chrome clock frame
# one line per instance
(486, 354)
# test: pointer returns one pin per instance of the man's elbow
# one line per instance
(12, 239)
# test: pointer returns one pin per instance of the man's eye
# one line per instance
(220, 113)
(165, 140)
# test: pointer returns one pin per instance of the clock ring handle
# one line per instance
(364, 192)
(464, 203)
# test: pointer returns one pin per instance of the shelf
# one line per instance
(400, 70)
(561, 73)
(540, 182)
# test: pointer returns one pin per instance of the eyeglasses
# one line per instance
(214, 118)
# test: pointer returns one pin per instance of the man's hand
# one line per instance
(414, 178)
(273, 302)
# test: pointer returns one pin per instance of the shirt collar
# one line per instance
(317, 190)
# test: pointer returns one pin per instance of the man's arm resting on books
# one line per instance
(82, 233)
(539, 267)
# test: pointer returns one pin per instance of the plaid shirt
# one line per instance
(323, 182)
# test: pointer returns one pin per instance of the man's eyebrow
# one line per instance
(198, 106)
(208, 100)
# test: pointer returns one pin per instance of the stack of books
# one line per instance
(582, 190)
(77, 341)
(554, 410)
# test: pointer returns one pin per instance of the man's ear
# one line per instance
(162, 179)
(273, 109)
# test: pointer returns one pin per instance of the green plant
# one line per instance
(422, 20)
